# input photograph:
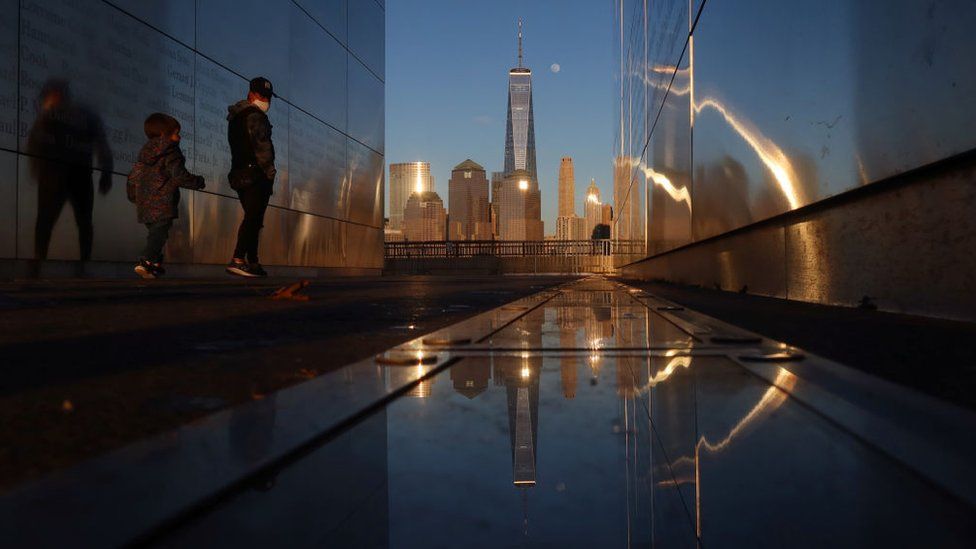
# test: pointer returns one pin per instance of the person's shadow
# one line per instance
(61, 143)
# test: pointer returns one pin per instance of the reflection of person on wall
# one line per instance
(252, 171)
(61, 144)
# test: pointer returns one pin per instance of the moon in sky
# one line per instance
(555, 67)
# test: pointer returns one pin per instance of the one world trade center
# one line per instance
(520, 128)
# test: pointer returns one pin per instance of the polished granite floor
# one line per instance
(589, 415)
(93, 365)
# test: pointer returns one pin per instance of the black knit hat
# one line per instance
(262, 86)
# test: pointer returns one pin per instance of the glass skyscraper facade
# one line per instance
(520, 126)
(121, 60)
(407, 178)
(769, 146)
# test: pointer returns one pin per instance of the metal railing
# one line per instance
(512, 248)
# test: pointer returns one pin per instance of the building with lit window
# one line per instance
(519, 207)
(470, 216)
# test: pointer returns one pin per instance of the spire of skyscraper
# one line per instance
(520, 42)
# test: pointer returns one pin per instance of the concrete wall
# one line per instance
(123, 59)
(907, 245)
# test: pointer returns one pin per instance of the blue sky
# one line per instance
(447, 67)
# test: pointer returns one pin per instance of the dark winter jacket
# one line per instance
(252, 152)
(155, 179)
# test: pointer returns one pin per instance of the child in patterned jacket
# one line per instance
(154, 186)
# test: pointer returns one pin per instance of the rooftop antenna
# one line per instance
(520, 42)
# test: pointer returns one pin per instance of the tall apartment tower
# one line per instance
(520, 127)
(468, 203)
(424, 217)
(405, 179)
(567, 188)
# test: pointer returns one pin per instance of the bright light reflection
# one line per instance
(592, 198)
(523, 185)
(769, 152)
(659, 179)
(525, 373)
(665, 373)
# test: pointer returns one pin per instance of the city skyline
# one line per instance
(573, 107)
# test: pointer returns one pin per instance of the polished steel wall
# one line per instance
(124, 59)
(733, 113)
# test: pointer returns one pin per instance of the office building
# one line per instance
(424, 218)
(567, 188)
(470, 216)
(519, 207)
(593, 208)
(571, 227)
(405, 179)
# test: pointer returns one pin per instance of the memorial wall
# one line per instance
(764, 140)
(121, 60)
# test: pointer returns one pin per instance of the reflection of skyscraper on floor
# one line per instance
(598, 329)
(397, 376)
(571, 321)
(520, 376)
(629, 333)
(470, 377)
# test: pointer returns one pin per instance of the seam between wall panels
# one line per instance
(17, 143)
(232, 71)
(344, 45)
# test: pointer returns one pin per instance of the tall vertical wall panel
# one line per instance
(124, 59)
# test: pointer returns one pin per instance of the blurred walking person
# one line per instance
(61, 143)
(252, 172)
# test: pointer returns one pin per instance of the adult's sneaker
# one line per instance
(145, 269)
(239, 267)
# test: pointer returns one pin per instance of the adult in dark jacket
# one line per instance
(252, 172)
(61, 143)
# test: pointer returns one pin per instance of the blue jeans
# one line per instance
(156, 239)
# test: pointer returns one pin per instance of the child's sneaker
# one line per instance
(145, 269)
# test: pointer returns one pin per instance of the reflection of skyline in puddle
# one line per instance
(553, 428)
